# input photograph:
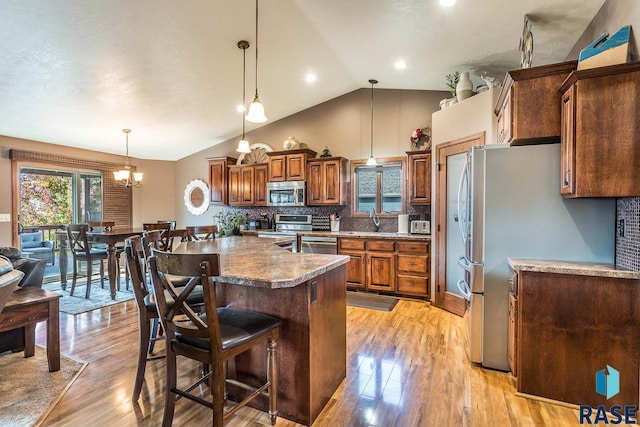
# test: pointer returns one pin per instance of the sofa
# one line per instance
(9, 279)
(33, 274)
(35, 247)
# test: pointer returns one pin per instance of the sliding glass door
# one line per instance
(55, 197)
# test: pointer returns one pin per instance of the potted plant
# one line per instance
(229, 222)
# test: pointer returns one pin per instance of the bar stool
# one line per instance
(220, 334)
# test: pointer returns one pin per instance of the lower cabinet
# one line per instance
(571, 326)
(356, 268)
(413, 268)
(388, 265)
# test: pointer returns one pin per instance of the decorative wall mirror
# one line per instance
(196, 197)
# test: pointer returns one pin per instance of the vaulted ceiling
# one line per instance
(76, 72)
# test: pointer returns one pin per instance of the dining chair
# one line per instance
(82, 251)
(172, 223)
(148, 325)
(165, 242)
(108, 226)
(213, 338)
(201, 232)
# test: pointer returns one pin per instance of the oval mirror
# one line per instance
(196, 197)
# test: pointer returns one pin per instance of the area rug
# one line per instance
(98, 297)
(29, 391)
(372, 301)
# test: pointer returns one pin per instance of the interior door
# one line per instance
(451, 161)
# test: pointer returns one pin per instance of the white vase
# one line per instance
(464, 88)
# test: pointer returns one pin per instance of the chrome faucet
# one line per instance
(375, 219)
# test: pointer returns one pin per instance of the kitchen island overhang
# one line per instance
(306, 291)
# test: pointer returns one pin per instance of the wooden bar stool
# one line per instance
(201, 232)
(220, 334)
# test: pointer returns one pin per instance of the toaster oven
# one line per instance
(421, 227)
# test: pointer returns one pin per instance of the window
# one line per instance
(49, 197)
(378, 188)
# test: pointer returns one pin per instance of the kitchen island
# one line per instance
(306, 291)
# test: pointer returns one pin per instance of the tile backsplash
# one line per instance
(628, 246)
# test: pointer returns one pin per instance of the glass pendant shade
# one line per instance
(243, 146)
(121, 174)
(256, 112)
(137, 176)
(371, 161)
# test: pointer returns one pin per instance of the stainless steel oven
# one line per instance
(318, 245)
(290, 193)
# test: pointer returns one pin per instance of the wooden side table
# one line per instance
(25, 308)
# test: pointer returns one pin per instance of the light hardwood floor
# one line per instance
(404, 368)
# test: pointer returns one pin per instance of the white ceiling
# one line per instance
(75, 72)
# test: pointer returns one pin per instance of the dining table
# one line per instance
(111, 239)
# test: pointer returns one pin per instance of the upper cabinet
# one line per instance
(528, 105)
(600, 139)
(289, 165)
(419, 177)
(218, 182)
(327, 181)
(248, 185)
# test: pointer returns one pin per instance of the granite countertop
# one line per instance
(259, 262)
(571, 267)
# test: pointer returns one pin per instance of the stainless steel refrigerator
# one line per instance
(509, 205)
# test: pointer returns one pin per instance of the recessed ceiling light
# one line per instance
(447, 2)
(400, 64)
(310, 77)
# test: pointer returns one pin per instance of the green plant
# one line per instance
(452, 82)
(230, 220)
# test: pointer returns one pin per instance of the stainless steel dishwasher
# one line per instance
(319, 245)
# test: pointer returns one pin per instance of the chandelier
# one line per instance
(123, 176)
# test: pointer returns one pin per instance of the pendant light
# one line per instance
(243, 144)
(372, 160)
(123, 176)
(256, 109)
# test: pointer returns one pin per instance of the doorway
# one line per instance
(451, 159)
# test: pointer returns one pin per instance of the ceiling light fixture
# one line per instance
(243, 144)
(372, 160)
(400, 64)
(256, 109)
(123, 176)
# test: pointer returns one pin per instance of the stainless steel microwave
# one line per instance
(290, 193)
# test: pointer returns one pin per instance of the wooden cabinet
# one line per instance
(413, 268)
(381, 265)
(600, 138)
(260, 184)
(528, 104)
(327, 181)
(513, 332)
(570, 326)
(247, 185)
(419, 177)
(356, 271)
(389, 265)
(218, 179)
(289, 165)
(513, 323)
